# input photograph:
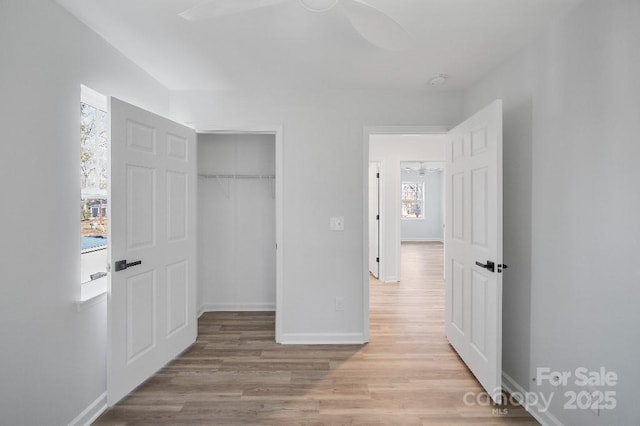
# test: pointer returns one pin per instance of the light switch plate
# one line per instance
(336, 224)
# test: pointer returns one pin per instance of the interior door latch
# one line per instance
(121, 265)
(489, 266)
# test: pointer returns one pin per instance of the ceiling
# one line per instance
(286, 47)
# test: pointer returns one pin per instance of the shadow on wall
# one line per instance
(517, 207)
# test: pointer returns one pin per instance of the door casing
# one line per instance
(278, 132)
(367, 133)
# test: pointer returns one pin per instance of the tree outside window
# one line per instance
(412, 200)
(93, 192)
(93, 171)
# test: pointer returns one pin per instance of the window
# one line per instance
(93, 186)
(412, 200)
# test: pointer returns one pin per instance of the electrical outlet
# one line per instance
(339, 303)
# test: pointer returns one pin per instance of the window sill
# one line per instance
(92, 293)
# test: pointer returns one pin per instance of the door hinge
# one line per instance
(378, 175)
(377, 259)
(501, 267)
(377, 217)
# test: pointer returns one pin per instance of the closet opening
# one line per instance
(239, 222)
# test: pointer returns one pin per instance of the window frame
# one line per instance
(402, 200)
(93, 291)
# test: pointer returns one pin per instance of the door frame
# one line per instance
(278, 132)
(378, 213)
(369, 131)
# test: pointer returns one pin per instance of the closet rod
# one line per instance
(237, 176)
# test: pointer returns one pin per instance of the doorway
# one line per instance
(388, 147)
(240, 200)
(473, 193)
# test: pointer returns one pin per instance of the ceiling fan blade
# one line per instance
(208, 9)
(375, 26)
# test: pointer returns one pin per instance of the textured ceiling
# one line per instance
(287, 47)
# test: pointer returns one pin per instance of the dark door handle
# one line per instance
(121, 265)
(490, 266)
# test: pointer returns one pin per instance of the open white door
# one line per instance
(473, 260)
(374, 219)
(151, 303)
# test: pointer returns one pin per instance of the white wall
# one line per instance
(323, 177)
(428, 228)
(390, 151)
(572, 234)
(52, 357)
(236, 223)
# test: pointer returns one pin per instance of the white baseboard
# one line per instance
(240, 307)
(92, 412)
(322, 339)
(422, 240)
(545, 418)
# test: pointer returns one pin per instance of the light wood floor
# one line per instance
(407, 375)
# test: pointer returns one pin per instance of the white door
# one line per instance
(151, 303)
(474, 243)
(374, 219)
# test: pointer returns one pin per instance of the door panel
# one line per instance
(177, 302)
(479, 288)
(141, 137)
(140, 224)
(457, 207)
(457, 297)
(474, 234)
(151, 305)
(141, 314)
(177, 209)
(479, 206)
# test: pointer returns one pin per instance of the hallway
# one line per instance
(407, 375)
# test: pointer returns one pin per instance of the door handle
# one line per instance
(121, 265)
(490, 266)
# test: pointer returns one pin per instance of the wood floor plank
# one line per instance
(408, 374)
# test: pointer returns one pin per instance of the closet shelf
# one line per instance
(225, 182)
(207, 176)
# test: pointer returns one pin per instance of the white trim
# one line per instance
(201, 310)
(378, 165)
(382, 201)
(91, 97)
(422, 240)
(92, 293)
(366, 136)
(278, 131)
(239, 307)
(405, 130)
(544, 418)
(92, 412)
(323, 339)
(239, 130)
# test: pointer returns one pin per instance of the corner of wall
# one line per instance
(92, 412)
